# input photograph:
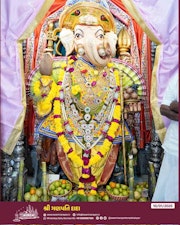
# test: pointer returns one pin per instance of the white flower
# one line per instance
(88, 19)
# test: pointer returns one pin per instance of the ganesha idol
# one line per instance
(79, 97)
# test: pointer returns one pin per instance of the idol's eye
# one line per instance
(78, 34)
(100, 34)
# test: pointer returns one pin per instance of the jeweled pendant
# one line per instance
(88, 144)
(87, 117)
(87, 109)
(75, 112)
(93, 84)
(88, 138)
(87, 131)
(91, 126)
(88, 84)
(84, 126)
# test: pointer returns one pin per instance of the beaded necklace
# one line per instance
(108, 131)
(87, 118)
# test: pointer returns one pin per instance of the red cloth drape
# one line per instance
(55, 6)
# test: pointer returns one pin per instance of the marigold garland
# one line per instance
(36, 89)
(45, 105)
(106, 146)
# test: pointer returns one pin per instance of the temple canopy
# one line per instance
(162, 30)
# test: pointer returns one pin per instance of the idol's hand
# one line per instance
(46, 64)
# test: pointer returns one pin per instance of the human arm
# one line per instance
(168, 112)
(174, 106)
(170, 103)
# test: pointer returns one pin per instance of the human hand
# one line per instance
(174, 106)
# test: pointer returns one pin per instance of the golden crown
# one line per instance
(87, 13)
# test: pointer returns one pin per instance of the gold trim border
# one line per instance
(158, 121)
(18, 127)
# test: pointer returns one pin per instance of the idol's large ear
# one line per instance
(110, 40)
(67, 39)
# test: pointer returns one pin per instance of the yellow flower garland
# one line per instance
(59, 129)
(44, 107)
(105, 146)
(36, 88)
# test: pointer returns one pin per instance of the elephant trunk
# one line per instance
(97, 55)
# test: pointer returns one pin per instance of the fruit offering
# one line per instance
(141, 192)
(33, 194)
(117, 191)
(59, 188)
(103, 196)
(130, 93)
(73, 196)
